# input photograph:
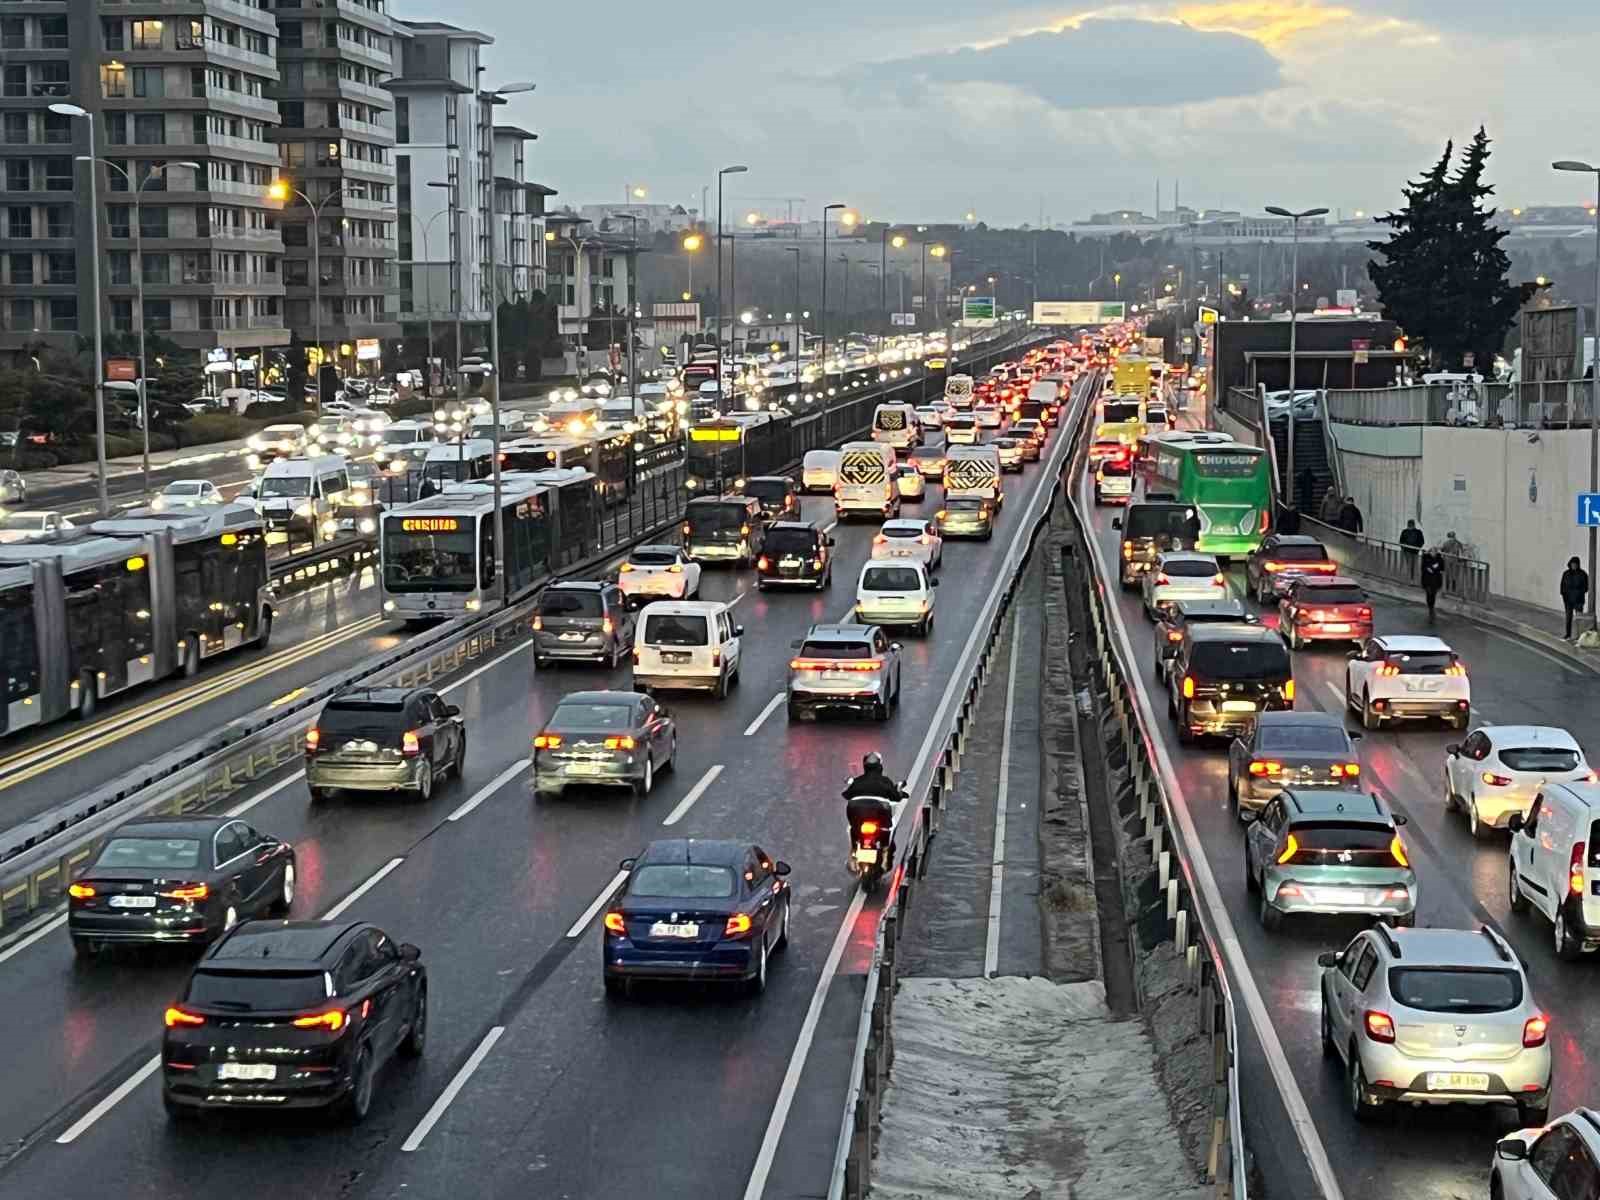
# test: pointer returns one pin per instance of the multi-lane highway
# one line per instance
(561, 1093)
(1419, 1155)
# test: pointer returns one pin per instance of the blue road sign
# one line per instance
(1589, 509)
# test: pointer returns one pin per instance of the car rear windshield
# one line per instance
(653, 558)
(1539, 758)
(1189, 568)
(1240, 660)
(836, 650)
(890, 419)
(1119, 470)
(258, 991)
(151, 853)
(592, 716)
(686, 881)
(1312, 553)
(767, 489)
(901, 531)
(1333, 595)
(789, 541)
(1328, 843)
(560, 603)
(892, 579)
(365, 720)
(1153, 520)
(1116, 412)
(716, 516)
(675, 629)
(1319, 739)
(1455, 990)
(1424, 663)
(963, 504)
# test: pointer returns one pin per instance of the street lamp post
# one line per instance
(1594, 383)
(691, 243)
(282, 189)
(427, 292)
(734, 170)
(73, 110)
(938, 251)
(1288, 482)
(799, 361)
(822, 316)
(883, 266)
(138, 279)
(633, 271)
(458, 285)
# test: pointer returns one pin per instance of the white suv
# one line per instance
(1560, 1160)
(1407, 679)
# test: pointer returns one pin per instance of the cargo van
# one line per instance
(297, 497)
(896, 425)
(686, 644)
(958, 391)
(973, 471)
(866, 484)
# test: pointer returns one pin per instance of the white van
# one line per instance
(296, 497)
(1552, 863)
(866, 481)
(819, 471)
(686, 644)
(961, 429)
(958, 391)
(896, 425)
(973, 471)
(896, 592)
(456, 462)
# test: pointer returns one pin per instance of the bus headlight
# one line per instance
(368, 525)
(389, 606)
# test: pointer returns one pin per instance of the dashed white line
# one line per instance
(431, 1117)
(695, 793)
(735, 601)
(372, 882)
(489, 789)
(772, 707)
(991, 941)
(582, 922)
(490, 665)
(82, 1124)
(1337, 692)
(244, 806)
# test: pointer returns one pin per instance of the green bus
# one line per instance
(1226, 482)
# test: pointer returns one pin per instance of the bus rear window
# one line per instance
(1119, 412)
(1228, 464)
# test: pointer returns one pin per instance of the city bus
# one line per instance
(1227, 484)
(608, 457)
(724, 451)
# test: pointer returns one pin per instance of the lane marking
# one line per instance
(493, 662)
(991, 942)
(772, 707)
(431, 1117)
(376, 878)
(829, 527)
(244, 806)
(695, 793)
(735, 601)
(490, 788)
(83, 1123)
(1338, 694)
(582, 922)
(21, 944)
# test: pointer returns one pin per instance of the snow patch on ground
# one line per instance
(1023, 1089)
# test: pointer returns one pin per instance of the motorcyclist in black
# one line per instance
(869, 795)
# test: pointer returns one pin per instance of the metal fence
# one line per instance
(1550, 404)
(1465, 579)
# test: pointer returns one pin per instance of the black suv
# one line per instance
(293, 1014)
(384, 739)
(795, 554)
(1176, 618)
(1224, 675)
(778, 495)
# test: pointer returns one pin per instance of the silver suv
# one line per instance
(1435, 1016)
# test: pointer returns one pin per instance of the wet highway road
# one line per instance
(1418, 1155)
(667, 1095)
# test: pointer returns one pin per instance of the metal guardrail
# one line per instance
(1466, 579)
(342, 556)
(38, 856)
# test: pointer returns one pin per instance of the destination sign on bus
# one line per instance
(429, 524)
(714, 435)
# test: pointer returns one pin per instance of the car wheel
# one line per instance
(358, 1100)
(1369, 718)
(1293, 639)
(761, 585)
(425, 783)
(265, 626)
(783, 928)
(614, 659)
(87, 699)
(1514, 896)
(540, 663)
(1329, 1048)
(320, 795)
(1568, 948)
(285, 898)
(758, 982)
(880, 710)
(459, 766)
(85, 948)
(191, 657)
(795, 712)
(1451, 802)
(1185, 735)
(175, 1111)
(1271, 918)
(416, 1039)
(1475, 827)
(1360, 1107)
(541, 794)
(672, 755)
(1233, 794)
(1529, 1115)
(644, 785)
(722, 687)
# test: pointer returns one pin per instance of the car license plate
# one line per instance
(897, 552)
(864, 855)
(583, 768)
(1238, 706)
(1338, 896)
(1455, 1081)
(1422, 685)
(253, 1071)
(675, 656)
(668, 929)
(1337, 628)
(789, 563)
(572, 637)
(133, 902)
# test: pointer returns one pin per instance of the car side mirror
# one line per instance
(738, 631)
(1401, 819)
(1512, 1149)
(410, 953)
(1515, 823)
(1328, 958)
(895, 646)
(626, 864)
(1116, 522)
(933, 583)
(1453, 749)
(452, 710)
(780, 868)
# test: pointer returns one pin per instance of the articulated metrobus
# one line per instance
(1226, 482)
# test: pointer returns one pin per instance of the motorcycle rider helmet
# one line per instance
(872, 761)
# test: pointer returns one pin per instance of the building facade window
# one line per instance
(146, 34)
(64, 313)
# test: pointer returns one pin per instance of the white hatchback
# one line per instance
(1497, 770)
(909, 538)
(659, 572)
(896, 594)
(1182, 576)
(1407, 679)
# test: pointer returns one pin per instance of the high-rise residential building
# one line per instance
(336, 140)
(179, 106)
(519, 214)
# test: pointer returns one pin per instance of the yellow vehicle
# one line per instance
(1131, 376)
(1122, 418)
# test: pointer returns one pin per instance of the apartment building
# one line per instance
(587, 273)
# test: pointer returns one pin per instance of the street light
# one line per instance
(691, 243)
(138, 279)
(884, 243)
(1288, 483)
(1584, 168)
(823, 316)
(73, 110)
(282, 189)
(938, 251)
(734, 170)
(427, 291)
(458, 281)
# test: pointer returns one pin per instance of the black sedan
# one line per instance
(695, 909)
(165, 880)
(616, 739)
(1181, 614)
(293, 1014)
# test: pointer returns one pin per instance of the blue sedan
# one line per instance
(696, 909)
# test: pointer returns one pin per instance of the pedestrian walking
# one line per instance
(1432, 577)
(1350, 516)
(1191, 528)
(1332, 504)
(1574, 590)
(1411, 540)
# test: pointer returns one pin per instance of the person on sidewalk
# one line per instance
(1350, 516)
(1574, 591)
(1411, 538)
(1432, 578)
(1332, 504)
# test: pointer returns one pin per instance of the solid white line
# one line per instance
(361, 891)
(244, 806)
(431, 1118)
(991, 942)
(490, 665)
(1294, 1101)
(695, 793)
(735, 601)
(828, 528)
(489, 789)
(772, 707)
(582, 922)
(82, 1124)
(21, 944)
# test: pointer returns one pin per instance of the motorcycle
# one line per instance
(872, 836)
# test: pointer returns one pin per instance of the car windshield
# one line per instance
(560, 602)
(1312, 553)
(152, 853)
(681, 881)
(653, 558)
(1425, 662)
(1116, 412)
(892, 579)
(964, 504)
(23, 521)
(286, 485)
(767, 489)
(836, 650)
(1540, 758)
(1332, 595)
(789, 541)
(1317, 739)
(675, 629)
(427, 562)
(257, 991)
(1253, 660)
(401, 437)
(1192, 568)
(592, 716)
(1455, 989)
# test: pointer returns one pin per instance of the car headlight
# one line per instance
(368, 525)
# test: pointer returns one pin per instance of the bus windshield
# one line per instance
(428, 562)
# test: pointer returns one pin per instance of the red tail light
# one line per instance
(1345, 770)
(177, 1016)
(1188, 687)
(1535, 1030)
(1174, 636)
(1575, 869)
(879, 540)
(1257, 767)
(835, 664)
(313, 740)
(1494, 780)
(410, 744)
(538, 623)
(1379, 1025)
(738, 925)
(868, 830)
(1271, 566)
(1217, 579)
(187, 891)
(614, 922)
(607, 625)
(1364, 613)
(333, 1020)
(625, 742)
(547, 741)
(763, 563)
(1162, 578)
(80, 891)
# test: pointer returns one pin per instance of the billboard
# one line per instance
(978, 311)
(1552, 344)
(1078, 312)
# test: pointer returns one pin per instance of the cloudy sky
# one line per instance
(919, 111)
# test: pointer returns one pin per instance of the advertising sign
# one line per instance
(978, 311)
(122, 370)
(366, 349)
(1345, 297)
(1078, 312)
(902, 318)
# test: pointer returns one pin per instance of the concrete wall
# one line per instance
(1383, 471)
(1236, 429)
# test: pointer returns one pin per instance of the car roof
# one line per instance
(839, 632)
(1296, 539)
(768, 479)
(372, 695)
(657, 548)
(1327, 581)
(719, 852)
(1414, 645)
(685, 607)
(1289, 718)
(1231, 607)
(276, 945)
(807, 526)
(600, 696)
(905, 523)
(1319, 804)
(1188, 556)
(175, 827)
(1451, 947)
(1531, 735)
